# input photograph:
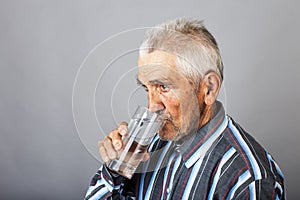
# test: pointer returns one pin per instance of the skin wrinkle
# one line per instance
(179, 101)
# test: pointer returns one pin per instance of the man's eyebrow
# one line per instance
(161, 81)
(154, 82)
(158, 82)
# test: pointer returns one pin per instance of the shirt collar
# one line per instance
(199, 143)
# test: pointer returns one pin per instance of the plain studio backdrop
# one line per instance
(48, 149)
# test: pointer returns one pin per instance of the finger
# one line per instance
(111, 152)
(102, 152)
(116, 139)
(146, 157)
(123, 128)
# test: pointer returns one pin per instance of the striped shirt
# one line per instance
(220, 161)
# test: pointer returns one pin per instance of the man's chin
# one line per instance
(167, 133)
(170, 132)
(164, 136)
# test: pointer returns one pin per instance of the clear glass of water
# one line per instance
(142, 127)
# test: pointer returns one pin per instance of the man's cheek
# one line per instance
(172, 107)
(171, 98)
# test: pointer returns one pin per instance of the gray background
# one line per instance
(43, 43)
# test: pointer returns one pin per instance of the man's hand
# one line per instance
(110, 146)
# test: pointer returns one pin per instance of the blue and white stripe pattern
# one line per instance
(245, 146)
(221, 162)
(157, 168)
(229, 154)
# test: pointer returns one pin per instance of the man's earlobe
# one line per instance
(213, 84)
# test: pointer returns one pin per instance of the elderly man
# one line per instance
(200, 153)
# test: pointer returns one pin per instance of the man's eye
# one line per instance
(164, 88)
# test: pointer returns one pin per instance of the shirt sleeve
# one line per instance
(105, 185)
(263, 189)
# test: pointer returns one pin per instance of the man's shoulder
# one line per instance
(242, 140)
(255, 157)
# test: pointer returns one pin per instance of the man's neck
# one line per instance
(206, 115)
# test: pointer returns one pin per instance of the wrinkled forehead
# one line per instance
(159, 65)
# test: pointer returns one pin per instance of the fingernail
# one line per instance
(122, 130)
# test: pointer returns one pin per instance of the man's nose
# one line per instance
(154, 102)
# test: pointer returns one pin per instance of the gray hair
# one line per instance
(196, 50)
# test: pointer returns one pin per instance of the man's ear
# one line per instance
(211, 87)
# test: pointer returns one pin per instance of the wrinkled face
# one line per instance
(170, 92)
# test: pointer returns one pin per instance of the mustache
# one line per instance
(164, 116)
(167, 117)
